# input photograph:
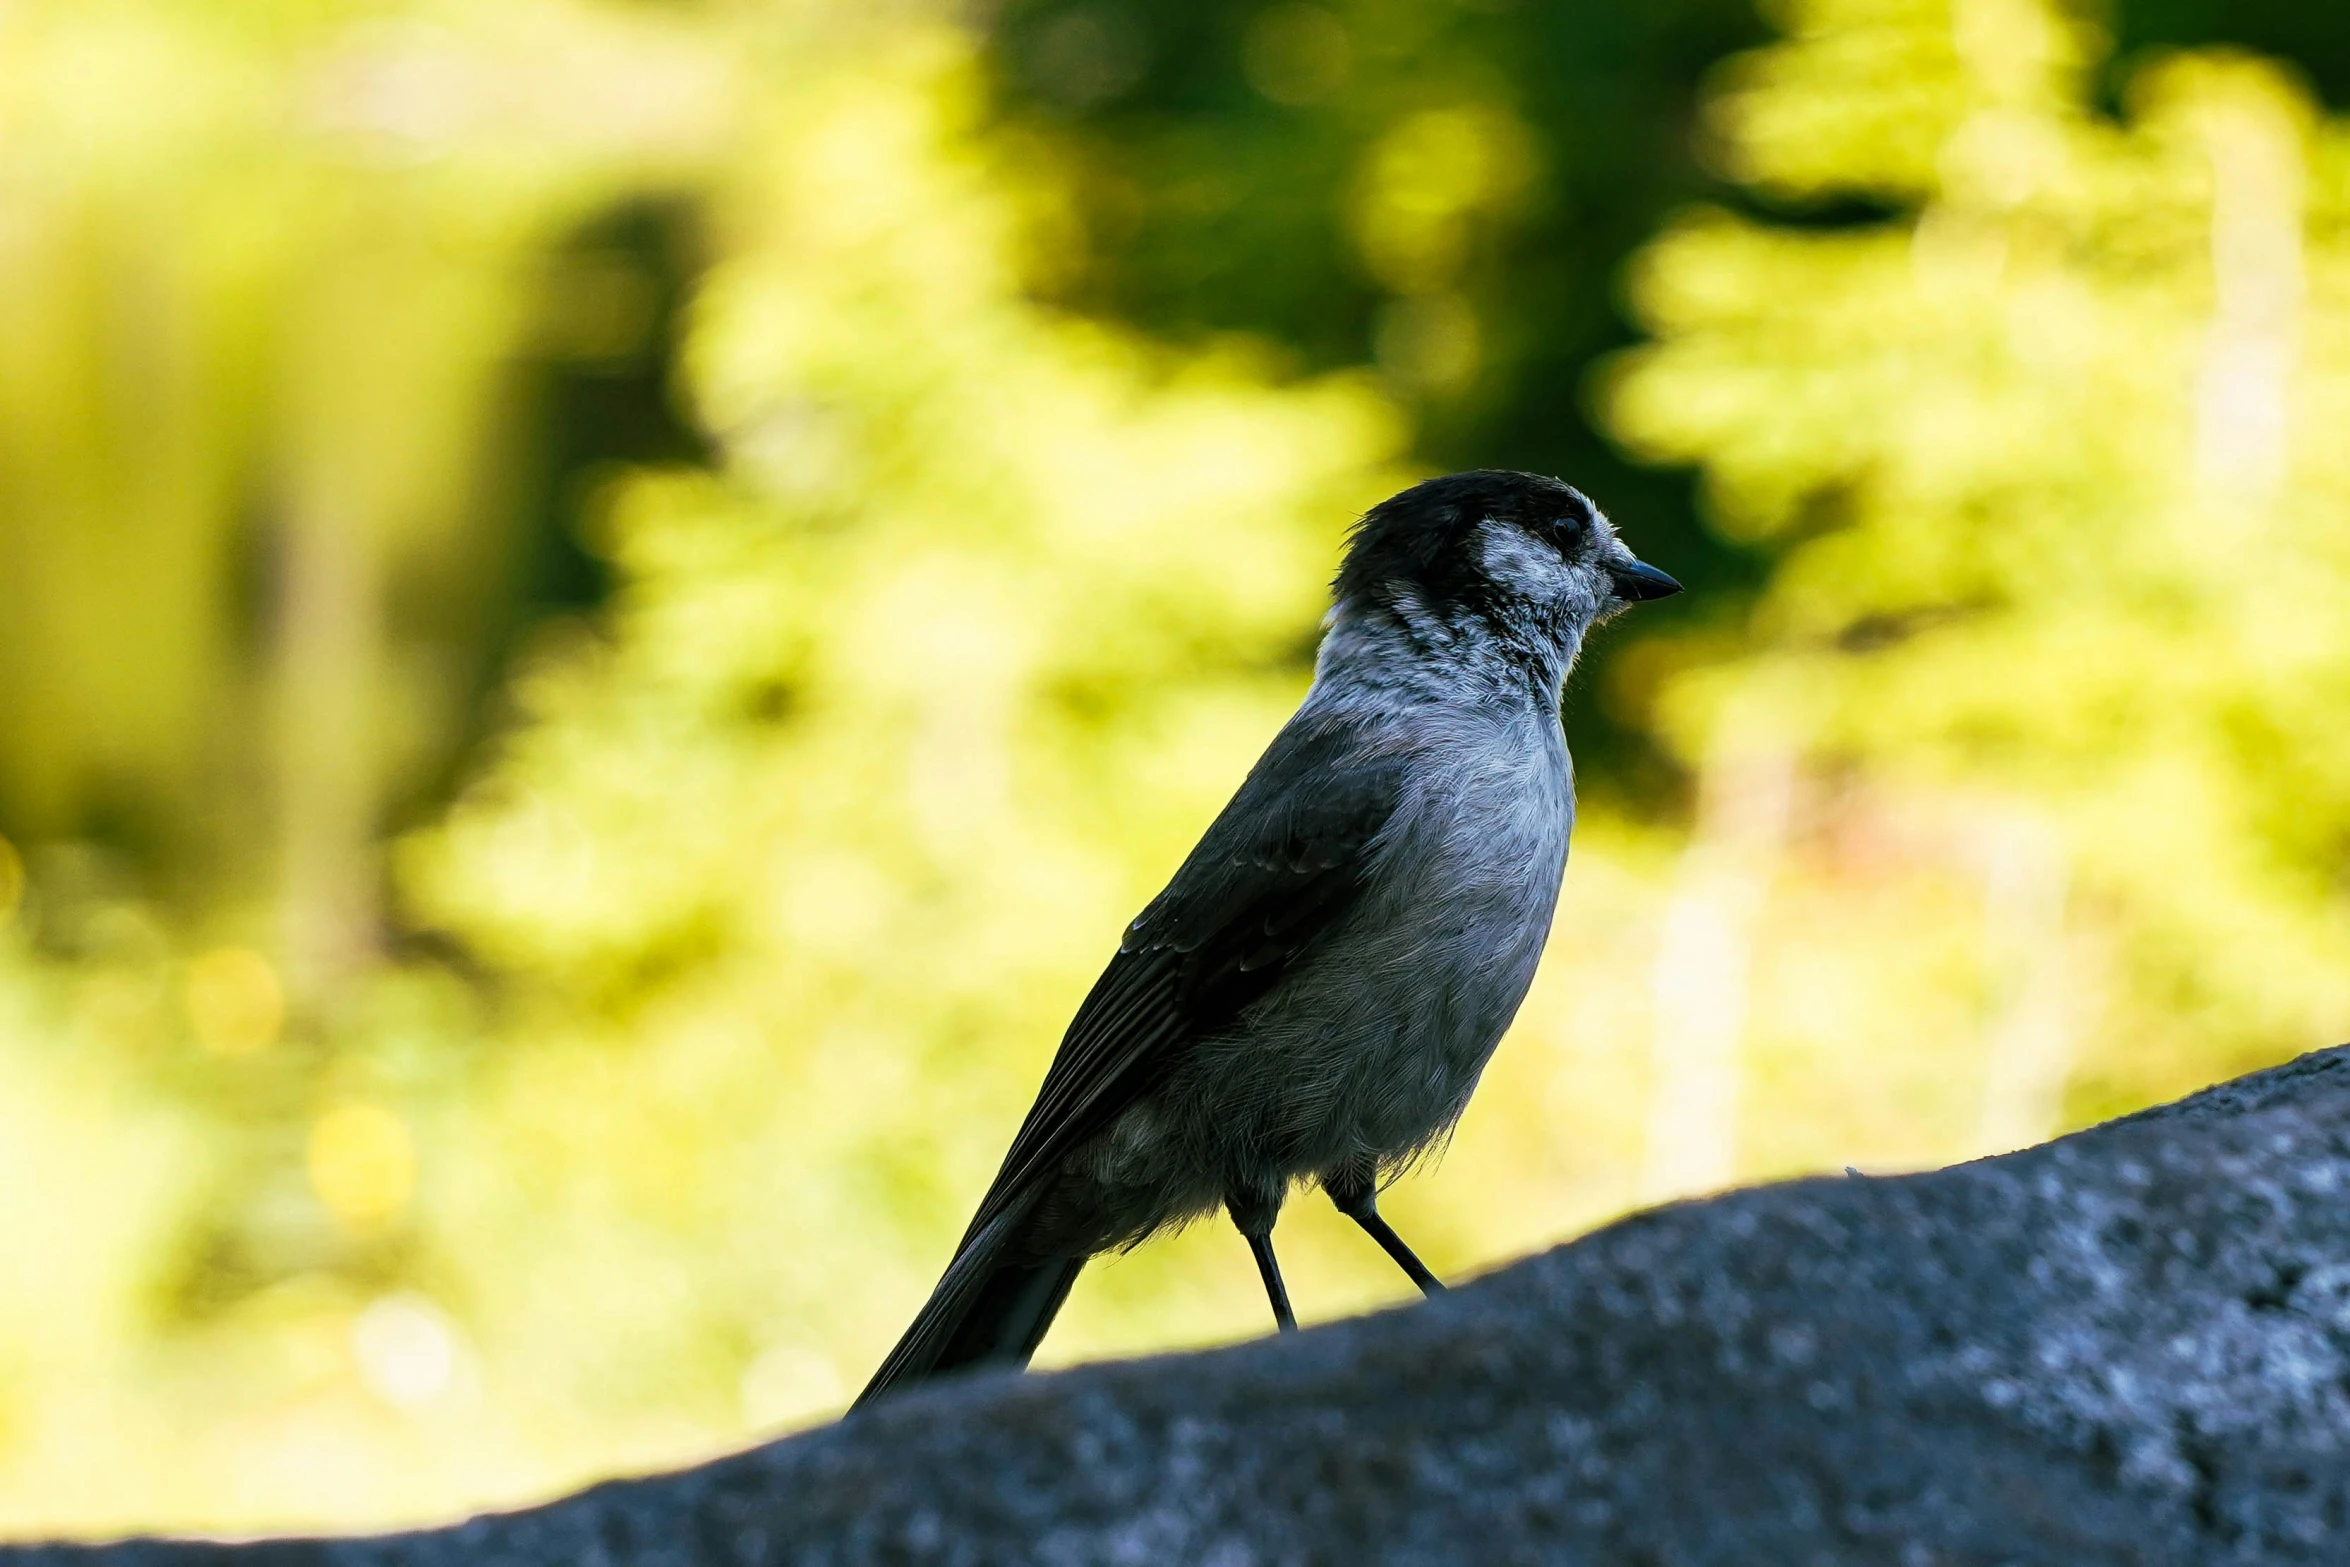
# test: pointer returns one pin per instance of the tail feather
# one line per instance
(987, 1310)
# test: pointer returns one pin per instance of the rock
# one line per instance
(2129, 1346)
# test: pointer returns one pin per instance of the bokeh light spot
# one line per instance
(1089, 55)
(1297, 54)
(1430, 344)
(234, 1000)
(1425, 186)
(407, 1350)
(362, 1164)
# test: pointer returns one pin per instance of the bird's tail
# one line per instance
(988, 1310)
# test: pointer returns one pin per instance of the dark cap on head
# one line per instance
(1424, 535)
(1437, 539)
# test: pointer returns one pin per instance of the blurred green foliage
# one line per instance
(612, 605)
(2049, 469)
(1446, 191)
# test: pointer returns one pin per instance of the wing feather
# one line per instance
(1280, 867)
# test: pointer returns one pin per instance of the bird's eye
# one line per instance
(1566, 532)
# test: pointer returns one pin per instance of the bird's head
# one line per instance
(1526, 555)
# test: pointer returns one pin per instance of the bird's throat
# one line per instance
(1409, 648)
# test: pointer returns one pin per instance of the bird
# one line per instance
(1312, 998)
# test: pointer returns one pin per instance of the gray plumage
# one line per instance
(1315, 993)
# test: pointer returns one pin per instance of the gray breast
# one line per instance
(1371, 1051)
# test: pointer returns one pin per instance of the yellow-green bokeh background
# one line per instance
(430, 1079)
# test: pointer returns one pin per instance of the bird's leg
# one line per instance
(1275, 1290)
(1357, 1196)
(1253, 1216)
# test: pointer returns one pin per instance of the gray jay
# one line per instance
(1313, 996)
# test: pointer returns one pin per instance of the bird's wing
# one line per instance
(1278, 868)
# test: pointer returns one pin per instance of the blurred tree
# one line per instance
(271, 272)
(2048, 459)
(1444, 191)
(898, 715)
(1448, 191)
(293, 297)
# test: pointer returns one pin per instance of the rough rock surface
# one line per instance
(2128, 1346)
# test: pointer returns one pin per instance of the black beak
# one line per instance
(1638, 580)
